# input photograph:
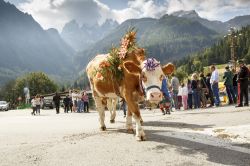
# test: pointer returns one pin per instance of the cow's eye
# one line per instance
(161, 77)
(143, 77)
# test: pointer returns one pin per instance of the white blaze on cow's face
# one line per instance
(152, 80)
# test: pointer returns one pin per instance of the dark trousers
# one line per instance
(57, 108)
(38, 109)
(211, 97)
(190, 101)
(244, 92)
(230, 94)
(86, 107)
(66, 108)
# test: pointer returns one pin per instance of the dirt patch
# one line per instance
(218, 130)
(227, 136)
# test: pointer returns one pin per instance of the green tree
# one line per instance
(37, 82)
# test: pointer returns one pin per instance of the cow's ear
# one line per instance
(168, 69)
(132, 68)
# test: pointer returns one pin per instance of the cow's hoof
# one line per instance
(130, 131)
(103, 128)
(112, 121)
(141, 138)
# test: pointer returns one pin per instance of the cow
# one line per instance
(137, 73)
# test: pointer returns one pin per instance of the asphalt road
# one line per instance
(215, 136)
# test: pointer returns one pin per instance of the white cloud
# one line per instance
(55, 13)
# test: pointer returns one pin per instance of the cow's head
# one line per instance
(151, 76)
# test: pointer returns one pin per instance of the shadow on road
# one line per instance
(176, 125)
(186, 147)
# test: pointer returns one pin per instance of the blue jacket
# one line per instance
(164, 87)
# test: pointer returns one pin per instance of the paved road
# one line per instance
(216, 136)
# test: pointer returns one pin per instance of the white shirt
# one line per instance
(33, 103)
(214, 77)
(184, 91)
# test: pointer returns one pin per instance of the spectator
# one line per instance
(85, 99)
(184, 95)
(38, 104)
(66, 102)
(210, 92)
(228, 82)
(243, 84)
(190, 95)
(165, 103)
(33, 104)
(124, 107)
(196, 96)
(214, 81)
(235, 86)
(175, 88)
(56, 100)
(204, 90)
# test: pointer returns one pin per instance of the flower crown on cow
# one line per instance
(112, 64)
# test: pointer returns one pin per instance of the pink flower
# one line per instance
(99, 76)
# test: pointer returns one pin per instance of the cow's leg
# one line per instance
(111, 104)
(140, 135)
(129, 124)
(134, 109)
(101, 110)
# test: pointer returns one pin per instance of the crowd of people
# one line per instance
(202, 91)
(79, 103)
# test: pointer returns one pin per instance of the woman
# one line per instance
(38, 104)
(190, 95)
(195, 91)
(204, 90)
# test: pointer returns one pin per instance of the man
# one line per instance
(66, 102)
(228, 82)
(85, 100)
(210, 92)
(243, 84)
(214, 81)
(175, 88)
(56, 100)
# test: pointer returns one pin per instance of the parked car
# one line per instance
(4, 106)
(48, 103)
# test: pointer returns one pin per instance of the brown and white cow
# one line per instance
(128, 88)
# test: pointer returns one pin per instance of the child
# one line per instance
(184, 96)
(33, 104)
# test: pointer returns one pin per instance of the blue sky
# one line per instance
(55, 13)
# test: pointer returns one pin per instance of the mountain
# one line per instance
(239, 21)
(81, 37)
(25, 46)
(167, 38)
(217, 26)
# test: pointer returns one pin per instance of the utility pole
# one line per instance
(233, 45)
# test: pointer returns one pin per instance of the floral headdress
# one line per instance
(151, 64)
(127, 43)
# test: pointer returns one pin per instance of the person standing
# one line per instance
(204, 90)
(235, 86)
(190, 95)
(38, 104)
(33, 104)
(66, 102)
(214, 81)
(210, 92)
(85, 99)
(184, 95)
(175, 89)
(243, 84)
(195, 91)
(56, 100)
(228, 82)
(124, 107)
